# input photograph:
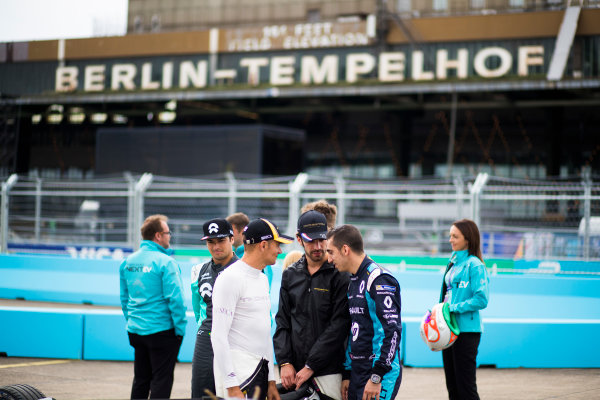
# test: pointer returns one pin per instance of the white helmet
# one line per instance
(438, 328)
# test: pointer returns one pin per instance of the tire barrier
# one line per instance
(20, 392)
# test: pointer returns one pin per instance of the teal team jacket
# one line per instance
(152, 291)
(470, 290)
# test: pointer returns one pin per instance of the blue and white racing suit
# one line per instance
(374, 343)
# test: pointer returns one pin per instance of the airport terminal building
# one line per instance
(380, 89)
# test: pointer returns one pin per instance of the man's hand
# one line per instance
(272, 392)
(235, 391)
(345, 384)
(371, 391)
(303, 375)
(288, 376)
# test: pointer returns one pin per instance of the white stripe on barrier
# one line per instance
(523, 320)
(108, 311)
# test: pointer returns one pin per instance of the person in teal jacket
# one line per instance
(153, 306)
(465, 290)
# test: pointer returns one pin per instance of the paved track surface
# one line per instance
(76, 379)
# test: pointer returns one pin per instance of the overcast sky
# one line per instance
(26, 20)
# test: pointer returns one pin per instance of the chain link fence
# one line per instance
(550, 219)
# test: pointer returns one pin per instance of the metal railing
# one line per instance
(530, 219)
(423, 8)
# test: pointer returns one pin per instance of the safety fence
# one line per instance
(546, 220)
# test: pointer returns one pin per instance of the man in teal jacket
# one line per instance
(152, 303)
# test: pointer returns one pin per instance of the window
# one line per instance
(313, 15)
(404, 6)
(155, 23)
(440, 5)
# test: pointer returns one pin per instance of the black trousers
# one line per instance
(259, 380)
(203, 377)
(460, 365)
(155, 358)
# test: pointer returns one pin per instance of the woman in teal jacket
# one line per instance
(465, 289)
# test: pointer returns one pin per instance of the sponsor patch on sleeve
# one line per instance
(385, 288)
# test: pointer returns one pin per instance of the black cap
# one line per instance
(217, 228)
(312, 225)
(261, 229)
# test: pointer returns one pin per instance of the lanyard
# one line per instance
(452, 272)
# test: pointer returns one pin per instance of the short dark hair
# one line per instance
(470, 231)
(152, 225)
(239, 220)
(346, 235)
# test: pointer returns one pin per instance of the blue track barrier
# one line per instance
(531, 321)
(41, 332)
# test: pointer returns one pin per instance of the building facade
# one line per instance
(378, 88)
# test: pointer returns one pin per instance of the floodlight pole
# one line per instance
(130, 208)
(340, 188)
(476, 190)
(140, 188)
(232, 201)
(587, 212)
(295, 188)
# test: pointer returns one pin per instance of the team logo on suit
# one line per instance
(354, 331)
(206, 290)
(388, 302)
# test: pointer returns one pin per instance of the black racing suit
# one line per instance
(312, 320)
(373, 347)
(203, 281)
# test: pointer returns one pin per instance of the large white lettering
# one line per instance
(66, 79)
(253, 65)
(489, 62)
(358, 64)
(93, 78)
(418, 67)
(194, 74)
(147, 82)
(530, 55)
(391, 67)
(479, 63)
(123, 75)
(460, 64)
(167, 75)
(311, 72)
(282, 70)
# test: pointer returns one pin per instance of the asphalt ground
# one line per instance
(77, 379)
